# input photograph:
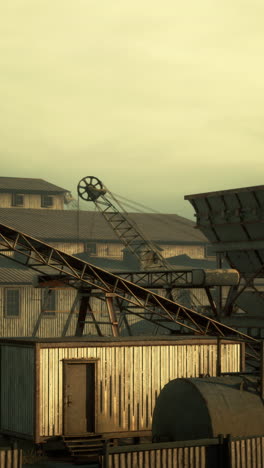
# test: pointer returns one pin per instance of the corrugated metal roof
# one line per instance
(85, 340)
(16, 276)
(71, 226)
(224, 192)
(27, 184)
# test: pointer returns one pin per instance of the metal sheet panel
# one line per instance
(17, 389)
(230, 219)
(30, 308)
(129, 379)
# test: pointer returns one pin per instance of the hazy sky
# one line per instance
(159, 99)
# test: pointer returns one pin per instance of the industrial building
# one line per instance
(119, 380)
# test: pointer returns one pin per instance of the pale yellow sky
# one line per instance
(158, 99)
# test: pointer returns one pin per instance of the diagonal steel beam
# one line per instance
(40, 255)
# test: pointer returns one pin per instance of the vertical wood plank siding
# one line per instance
(10, 458)
(247, 453)
(31, 201)
(175, 457)
(17, 392)
(129, 380)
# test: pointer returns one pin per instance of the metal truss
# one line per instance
(91, 189)
(46, 259)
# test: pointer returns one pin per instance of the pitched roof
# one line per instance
(12, 273)
(28, 185)
(72, 226)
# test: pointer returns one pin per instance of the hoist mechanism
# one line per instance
(149, 255)
(90, 188)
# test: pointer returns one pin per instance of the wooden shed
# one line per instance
(108, 386)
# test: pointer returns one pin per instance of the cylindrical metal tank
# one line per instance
(189, 409)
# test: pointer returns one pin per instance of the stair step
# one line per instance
(84, 445)
(85, 449)
(67, 438)
(83, 440)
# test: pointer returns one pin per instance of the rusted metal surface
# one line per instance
(10, 457)
(222, 405)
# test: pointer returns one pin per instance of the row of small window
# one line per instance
(18, 200)
(12, 303)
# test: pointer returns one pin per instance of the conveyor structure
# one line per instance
(233, 221)
(45, 259)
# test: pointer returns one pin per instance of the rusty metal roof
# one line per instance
(9, 184)
(73, 225)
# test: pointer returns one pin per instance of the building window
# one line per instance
(91, 248)
(46, 201)
(17, 199)
(49, 303)
(209, 251)
(12, 302)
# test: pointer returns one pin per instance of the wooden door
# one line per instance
(79, 397)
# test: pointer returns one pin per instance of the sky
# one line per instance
(157, 99)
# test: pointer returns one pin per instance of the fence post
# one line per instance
(106, 455)
(221, 457)
(219, 355)
(262, 371)
(228, 451)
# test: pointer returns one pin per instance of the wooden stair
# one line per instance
(84, 447)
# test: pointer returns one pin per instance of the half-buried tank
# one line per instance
(200, 408)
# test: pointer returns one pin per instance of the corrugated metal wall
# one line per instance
(193, 251)
(109, 250)
(72, 248)
(17, 389)
(52, 326)
(129, 380)
(30, 308)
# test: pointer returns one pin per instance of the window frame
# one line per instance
(6, 315)
(44, 201)
(47, 312)
(15, 202)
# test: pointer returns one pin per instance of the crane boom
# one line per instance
(92, 189)
(44, 258)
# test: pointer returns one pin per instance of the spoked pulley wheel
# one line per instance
(90, 188)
